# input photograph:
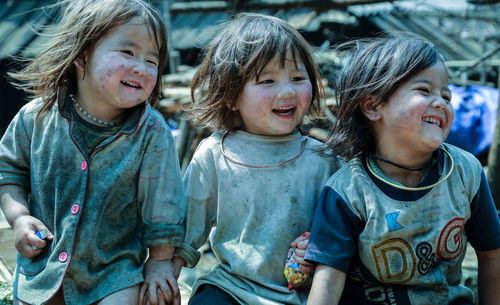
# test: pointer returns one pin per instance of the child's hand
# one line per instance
(178, 264)
(160, 286)
(300, 245)
(27, 243)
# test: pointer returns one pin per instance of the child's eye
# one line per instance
(447, 98)
(127, 52)
(424, 90)
(299, 78)
(266, 81)
(153, 62)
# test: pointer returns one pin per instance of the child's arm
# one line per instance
(489, 276)
(179, 262)
(327, 286)
(160, 282)
(15, 208)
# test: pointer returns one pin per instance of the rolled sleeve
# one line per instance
(201, 188)
(14, 152)
(190, 255)
(161, 234)
(161, 192)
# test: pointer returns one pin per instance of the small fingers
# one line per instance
(177, 299)
(142, 294)
(174, 286)
(293, 244)
(299, 255)
(26, 250)
(35, 242)
(165, 293)
(307, 268)
(152, 295)
(162, 298)
(302, 244)
(297, 241)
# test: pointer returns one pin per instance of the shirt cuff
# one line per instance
(190, 255)
(21, 180)
(162, 235)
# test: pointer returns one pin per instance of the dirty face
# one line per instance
(418, 115)
(276, 102)
(120, 72)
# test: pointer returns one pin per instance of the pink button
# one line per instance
(63, 256)
(75, 208)
(84, 165)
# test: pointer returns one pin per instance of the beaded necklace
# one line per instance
(88, 115)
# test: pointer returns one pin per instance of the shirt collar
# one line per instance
(135, 120)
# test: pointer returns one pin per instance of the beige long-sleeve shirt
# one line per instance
(256, 212)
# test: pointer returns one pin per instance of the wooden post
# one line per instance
(494, 156)
(172, 60)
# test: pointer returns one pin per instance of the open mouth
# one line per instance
(131, 84)
(435, 120)
(284, 111)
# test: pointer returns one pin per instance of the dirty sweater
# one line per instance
(256, 212)
(104, 209)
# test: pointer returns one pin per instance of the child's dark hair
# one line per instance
(82, 24)
(376, 67)
(238, 54)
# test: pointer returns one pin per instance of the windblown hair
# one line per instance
(82, 24)
(376, 67)
(237, 55)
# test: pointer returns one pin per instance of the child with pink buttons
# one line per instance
(89, 177)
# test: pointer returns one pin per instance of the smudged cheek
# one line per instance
(405, 122)
(113, 73)
(106, 80)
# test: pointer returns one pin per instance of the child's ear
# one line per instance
(370, 108)
(80, 62)
(232, 107)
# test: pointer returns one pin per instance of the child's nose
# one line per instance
(440, 102)
(286, 91)
(139, 67)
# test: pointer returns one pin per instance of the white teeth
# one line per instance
(130, 84)
(433, 121)
(284, 110)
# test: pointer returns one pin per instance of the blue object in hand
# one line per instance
(42, 234)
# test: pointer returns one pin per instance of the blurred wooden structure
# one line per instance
(8, 252)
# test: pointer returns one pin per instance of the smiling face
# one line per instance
(276, 102)
(119, 73)
(418, 115)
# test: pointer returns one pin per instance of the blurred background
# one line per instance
(464, 31)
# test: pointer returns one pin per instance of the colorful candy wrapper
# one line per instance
(42, 235)
(293, 275)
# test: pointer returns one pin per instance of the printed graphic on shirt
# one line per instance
(425, 257)
(361, 284)
(397, 262)
(392, 222)
(450, 242)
